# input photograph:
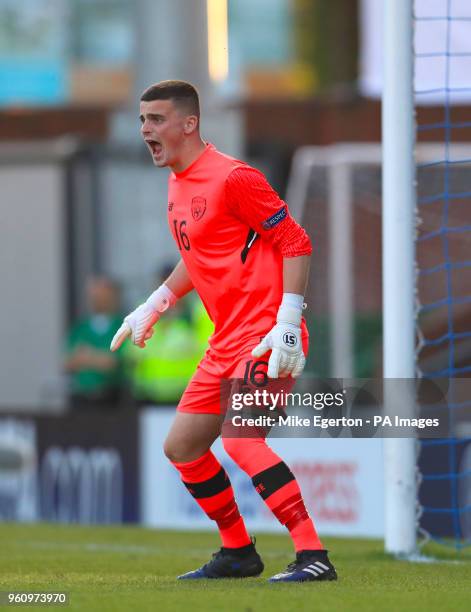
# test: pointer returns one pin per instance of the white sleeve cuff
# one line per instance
(162, 299)
(291, 309)
(294, 300)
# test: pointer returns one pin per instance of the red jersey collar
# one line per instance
(183, 173)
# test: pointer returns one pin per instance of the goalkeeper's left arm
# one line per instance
(251, 199)
(284, 340)
(140, 322)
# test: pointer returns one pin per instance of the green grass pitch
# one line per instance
(130, 568)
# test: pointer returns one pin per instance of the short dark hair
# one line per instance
(183, 94)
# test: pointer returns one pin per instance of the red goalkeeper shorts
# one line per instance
(205, 392)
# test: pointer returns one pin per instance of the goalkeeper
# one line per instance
(248, 260)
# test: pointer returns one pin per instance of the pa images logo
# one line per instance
(198, 207)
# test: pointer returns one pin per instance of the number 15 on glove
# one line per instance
(284, 342)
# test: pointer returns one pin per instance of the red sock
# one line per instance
(210, 486)
(277, 486)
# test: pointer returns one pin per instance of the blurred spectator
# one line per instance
(160, 373)
(95, 373)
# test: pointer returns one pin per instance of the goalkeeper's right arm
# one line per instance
(179, 281)
(139, 323)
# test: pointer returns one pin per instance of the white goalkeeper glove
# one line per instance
(139, 323)
(284, 340)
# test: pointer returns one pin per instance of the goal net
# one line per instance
(335, 192)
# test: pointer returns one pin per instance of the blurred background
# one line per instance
(291, 86)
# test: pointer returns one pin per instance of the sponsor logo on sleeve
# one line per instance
(275, 219)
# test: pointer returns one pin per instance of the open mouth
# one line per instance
(154, 146)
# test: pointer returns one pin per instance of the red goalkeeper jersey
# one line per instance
(232, 231)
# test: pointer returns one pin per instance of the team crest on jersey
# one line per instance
(198, 207)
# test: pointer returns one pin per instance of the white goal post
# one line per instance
(399, 214)
(398, 223)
